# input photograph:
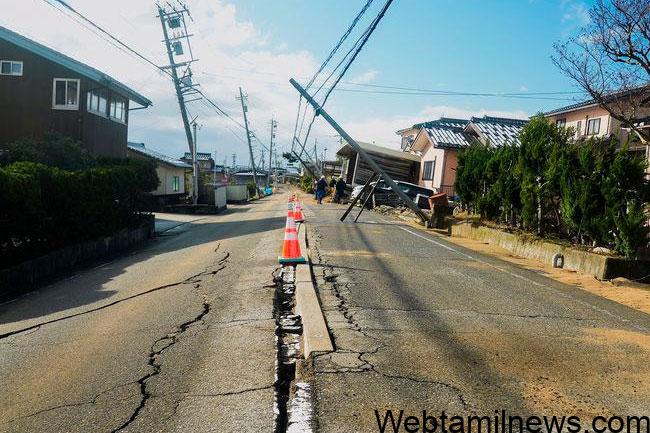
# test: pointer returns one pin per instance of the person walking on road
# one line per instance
(340, 190)
(332, 186)
(321, 186)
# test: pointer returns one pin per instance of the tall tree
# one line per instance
(610, 60)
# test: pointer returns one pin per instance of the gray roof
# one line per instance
(496, 130)
(200, 156)
(347, 150)
(72, 64)
(449, 121)
(141, 149)
(565, 109)
(447, 137)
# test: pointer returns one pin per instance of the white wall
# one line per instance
(432, 154)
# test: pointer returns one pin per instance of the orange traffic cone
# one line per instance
(290, 246)
(297, 213)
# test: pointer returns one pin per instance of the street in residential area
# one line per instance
(344, 216)
(178, 336)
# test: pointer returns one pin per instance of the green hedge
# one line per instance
(588, 191)
(44, 207)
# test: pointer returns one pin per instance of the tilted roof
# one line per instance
(497, 131)
(142, 149)
(450, 121)
(72, 64)
(447, 137)
(347, 150)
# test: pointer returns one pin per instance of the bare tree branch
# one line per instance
(610, 60)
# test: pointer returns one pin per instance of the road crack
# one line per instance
(163, 343)
(190, 280)
(365, 366)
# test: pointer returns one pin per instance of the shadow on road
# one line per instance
(87, 285)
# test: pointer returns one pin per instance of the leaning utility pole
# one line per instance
(173, 19)
(361, 153)
(274, 125)
(244, 108)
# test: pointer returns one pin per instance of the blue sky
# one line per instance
(447, 45)
(475, 46)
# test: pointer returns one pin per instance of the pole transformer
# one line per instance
(173, 19)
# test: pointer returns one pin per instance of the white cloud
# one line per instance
(575, 13)
(232, 52)
(366, 77)
(225, 45)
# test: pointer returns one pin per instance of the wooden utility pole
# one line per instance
(244, 108)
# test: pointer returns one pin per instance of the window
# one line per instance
(560, 123)
(593, 126)
(427, 173)
(176, 185)
(97, 102)
(117, 110)
(65, 94)
(11, 67)
(579, 128)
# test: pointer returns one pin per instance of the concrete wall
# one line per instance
(600, 266)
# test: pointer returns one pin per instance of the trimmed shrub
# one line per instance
(53, 150)
(590, 191)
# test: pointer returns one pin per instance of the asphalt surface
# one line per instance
(422, 324)
(177, 336)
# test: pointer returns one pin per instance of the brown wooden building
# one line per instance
(43, 90)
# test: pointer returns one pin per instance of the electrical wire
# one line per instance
(113, 40)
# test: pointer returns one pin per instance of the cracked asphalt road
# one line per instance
(178, 336)
(422, 324)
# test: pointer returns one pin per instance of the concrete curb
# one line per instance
(316, 337)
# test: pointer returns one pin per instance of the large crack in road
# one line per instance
(163, 343)
(329, 278)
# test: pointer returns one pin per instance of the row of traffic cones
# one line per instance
(291, 254)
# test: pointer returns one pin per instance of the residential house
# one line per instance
(43, 91)
(399, 165)
(589, 119)
(438, 142)
(171, 172)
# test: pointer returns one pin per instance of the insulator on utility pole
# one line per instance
(174, 20)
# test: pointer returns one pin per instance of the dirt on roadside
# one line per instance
(621, 290)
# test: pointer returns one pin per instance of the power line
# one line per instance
(113, 40)
(396, 92)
